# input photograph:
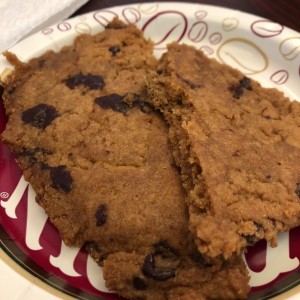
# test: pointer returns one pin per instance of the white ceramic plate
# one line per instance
(260, 48)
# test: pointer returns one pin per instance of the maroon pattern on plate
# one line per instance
(26, 231)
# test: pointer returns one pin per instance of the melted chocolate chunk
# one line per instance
(114, 50)
(139, 284)
(297, 191)
(238, 89)
(101, 215)
(92, 246)
(40, 116)
(246, 83)
(200, 260)
(150, 270)
(61, 178)
(251, 239)
(113, 101)
(164, 249)
(92, 82)
(95, 250)
(259, 227)
(141, 104)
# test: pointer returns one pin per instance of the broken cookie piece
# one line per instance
(124, 272)
(238, 147)
(100, 162)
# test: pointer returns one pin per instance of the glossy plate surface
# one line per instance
(261, 49)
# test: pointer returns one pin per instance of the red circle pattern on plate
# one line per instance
(173, 31)
(266, 28)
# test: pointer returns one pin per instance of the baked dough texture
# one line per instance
(238, 147)
(100, 162)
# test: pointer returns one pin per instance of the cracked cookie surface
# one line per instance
(99, 160)
(238, 147)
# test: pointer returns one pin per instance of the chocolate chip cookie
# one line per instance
(238, 147)
(99, 160)
(136, 276)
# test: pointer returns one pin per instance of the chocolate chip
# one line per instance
(164, 249)
(139, 284)
(259, 227)
(297, 191)
(200, 260)
(40, 116)
(94, 249)
(113, 101)
(92, 82)
(101, 215)
(246, 83)
(103, 257)
(141, 104)
(92, 246)
(61, 178)
(150, 270)
(237, 91)
(114, 50)
(251, 239)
